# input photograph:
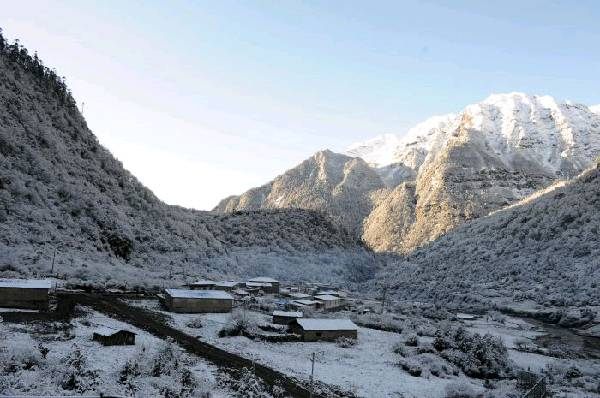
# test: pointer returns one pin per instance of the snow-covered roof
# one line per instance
(199, 294)
(204, 282)
(300, 295)
(108, 331)
(326, 297)
(258, 284)
(289, 314)
(326, 324)
(26, 283)
(227, 283)
(241, 292)
(263, 279)
(306, 302)
(329, 292)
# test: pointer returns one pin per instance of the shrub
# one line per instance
(399, 349)
(412, 341)
(195, 323)
(413, 368)
(238, 324)
(460, 390)
(478, 356)
(345, 342)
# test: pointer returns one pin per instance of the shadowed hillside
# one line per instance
(60, 189)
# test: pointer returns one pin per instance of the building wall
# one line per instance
(192, 305)
(13, 297)
(328, 335)
(283, 320)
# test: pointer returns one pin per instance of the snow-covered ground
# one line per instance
(369, 368)
(22, 345)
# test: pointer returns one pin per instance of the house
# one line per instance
(202, 285)
(259, 286)
(302, 303)
(300, 296)
(226, 286)
(274, 289)
(324, 329)
(193, 301)
(329, 302)
(240, 293)
(332, 293)
(111, 337)
(286, 317)
(25, 293)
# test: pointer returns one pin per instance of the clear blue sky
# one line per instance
(205, 99)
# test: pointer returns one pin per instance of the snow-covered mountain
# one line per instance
(595, 108)
(543, 250)
(444, 171)
(61, 190)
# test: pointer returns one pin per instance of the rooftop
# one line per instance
(227, 283)
(258, 284)
(306, 302)
(263, 279)
(326, 297)
(289, 314)
(326, 324)
(26, 283)
(205, 282)
(199, 294)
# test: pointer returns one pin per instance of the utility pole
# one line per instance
(312, 374)
(383, 298)
(53, 258)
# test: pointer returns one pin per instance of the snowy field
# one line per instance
(369, 368)
(61, 358)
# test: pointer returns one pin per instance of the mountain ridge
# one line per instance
(450, 169)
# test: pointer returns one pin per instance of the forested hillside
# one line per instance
(545, 250)
(61, 190)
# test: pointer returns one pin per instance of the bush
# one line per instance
(195, 323)
(460, 390)
(238, 324)
(412, 341)
(477, 356)
(345, 342)
(399, 349)
(411, 367)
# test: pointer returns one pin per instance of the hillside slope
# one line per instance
(60, 189)
(545, 249)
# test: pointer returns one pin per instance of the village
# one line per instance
(294, 306)
(318, 338)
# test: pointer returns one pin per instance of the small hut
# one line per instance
(108, 337)
(324, 329)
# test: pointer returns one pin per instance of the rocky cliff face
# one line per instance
(335, 184)
(61, 190)
(443, 172)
